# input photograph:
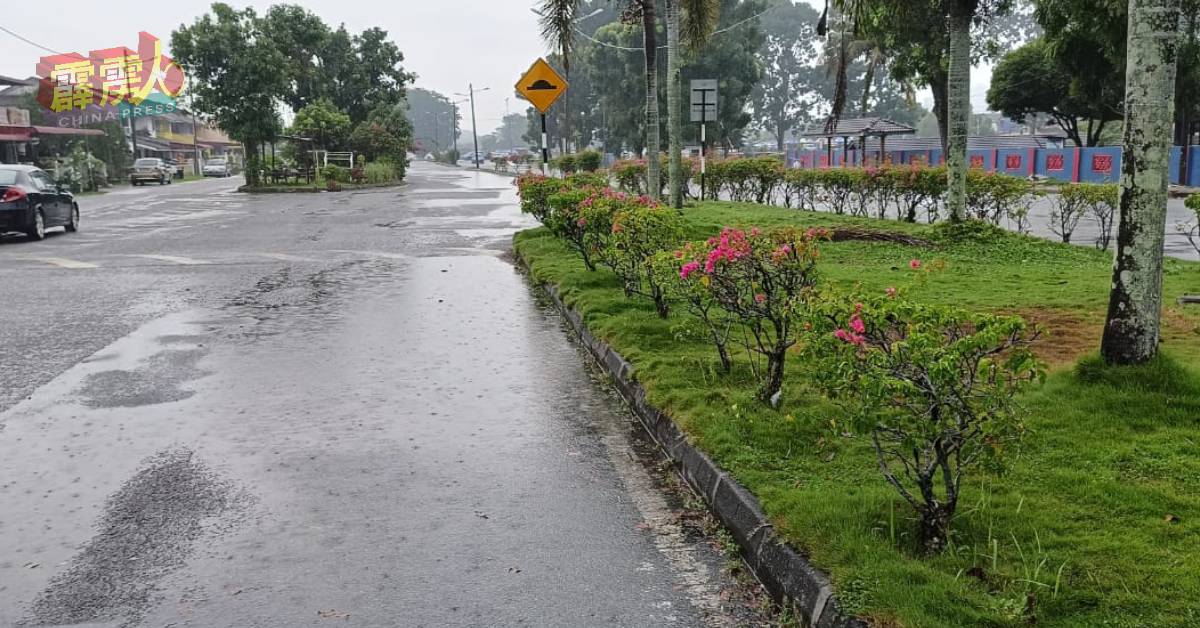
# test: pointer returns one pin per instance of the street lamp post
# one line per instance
(474, 134)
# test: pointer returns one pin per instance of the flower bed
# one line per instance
(1089, 517)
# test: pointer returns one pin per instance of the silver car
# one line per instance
(217, 168)
(150, 169)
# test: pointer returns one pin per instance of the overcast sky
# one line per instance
(448, 43)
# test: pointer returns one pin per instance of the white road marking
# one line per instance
(284, 257)
(63, 262)
(174, 259)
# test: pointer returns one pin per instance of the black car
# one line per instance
(31, 202)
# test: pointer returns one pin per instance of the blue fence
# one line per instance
(1076, 165)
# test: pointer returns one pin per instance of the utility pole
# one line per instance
(195, 145)
(474, 134)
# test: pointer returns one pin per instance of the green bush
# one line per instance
(583, 217)
(838, 185)
(535, 191)
(380, 172)
(993, 197)
(916, 188)
(334, 173)
(564, 164)
(639, 231)
(630, 175)
(932, 386)
(588, 161)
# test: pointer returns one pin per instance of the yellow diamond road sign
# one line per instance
(541, 85)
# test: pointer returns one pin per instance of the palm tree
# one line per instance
(557, 21)
(644, 11)
(1131, 330)
(695, 25)
(958, 16)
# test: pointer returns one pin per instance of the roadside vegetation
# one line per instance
(1060, 492)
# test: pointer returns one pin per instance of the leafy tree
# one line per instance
(932, 40)
(1089, 37)
(689, 23)
(732, 57)
(615, 71)
(322, 122)
(1131, 331)
(783, 98)
(300, 36)
(510, 132)
(433, 118)
(1032, 79)
(385, 135)
(236, 72)
(364, 71)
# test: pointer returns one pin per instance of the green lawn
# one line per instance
(1097, 522)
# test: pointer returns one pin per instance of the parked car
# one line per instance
(175, 167)
(149, 169)
(217, 168)
(31, 202)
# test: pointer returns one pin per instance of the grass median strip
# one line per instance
(1095, 521)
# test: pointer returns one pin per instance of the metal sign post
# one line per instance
(541, 86)
(704, 103)
(545, 148)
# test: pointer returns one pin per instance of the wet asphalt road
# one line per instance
(316, 409)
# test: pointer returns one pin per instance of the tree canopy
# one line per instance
(244, 64)
(1034, 79)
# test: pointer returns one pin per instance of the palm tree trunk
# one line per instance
(938, 85)
(653, 142)
(674, 124)
(1135, 303)
(958, 106)
(867, 81)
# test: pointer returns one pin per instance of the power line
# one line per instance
(29, 41)
(642, 48)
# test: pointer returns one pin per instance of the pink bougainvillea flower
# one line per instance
(760, 298)
(582, 222)
(850, 337)
(687, 269)
(678, 254)
(915, 264)
(857, 324)
(891, 292)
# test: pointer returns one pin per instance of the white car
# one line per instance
(217, 168)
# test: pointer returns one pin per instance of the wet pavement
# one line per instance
(288, 410)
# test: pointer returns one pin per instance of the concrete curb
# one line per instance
(784, 572)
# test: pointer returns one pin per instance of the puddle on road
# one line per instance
(149, 528)
(160, 379)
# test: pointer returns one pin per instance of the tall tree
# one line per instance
(614, 65)
(1033, 79)
(645, 11)
(933, 39)
(300, 36)
(557, 19)
(1131, 330)
(694, 26)
(235, 72)
(789, 89)
(324, 124)
(433, 119)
